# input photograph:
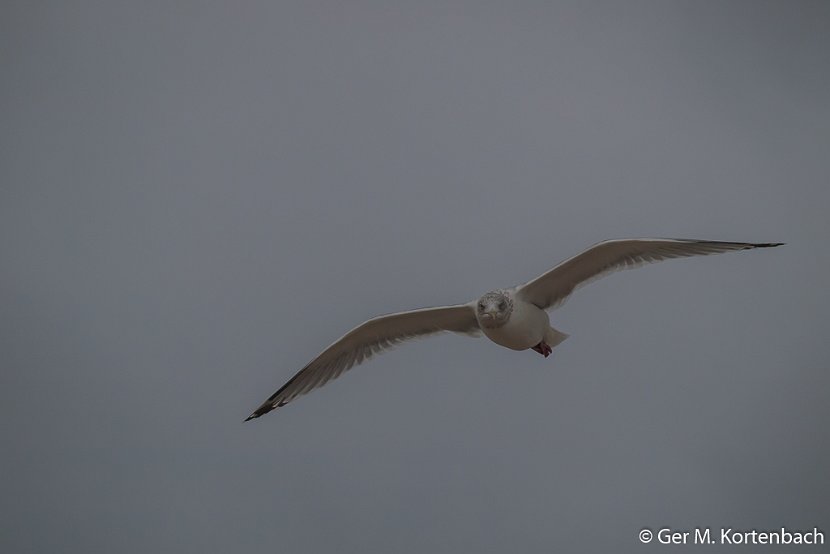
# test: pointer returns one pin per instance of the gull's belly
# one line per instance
(525, 328)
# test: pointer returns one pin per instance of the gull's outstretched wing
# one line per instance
(550, 289)
(367, 339)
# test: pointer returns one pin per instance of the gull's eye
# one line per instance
(502, 305)
(481, 305)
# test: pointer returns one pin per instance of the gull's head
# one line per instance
(494, 308)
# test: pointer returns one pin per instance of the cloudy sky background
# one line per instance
(198, 197)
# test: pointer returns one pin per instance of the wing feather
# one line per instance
(552, 288)
(367, 339)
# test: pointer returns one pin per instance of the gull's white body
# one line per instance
(528, 326)
(515, 318)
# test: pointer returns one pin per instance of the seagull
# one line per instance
(515, 318)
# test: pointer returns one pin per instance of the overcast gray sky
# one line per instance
(198, 197)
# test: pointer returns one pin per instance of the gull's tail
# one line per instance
(554, 337)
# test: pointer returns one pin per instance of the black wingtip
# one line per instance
(768, 244)
(261, 411)
(264, 409)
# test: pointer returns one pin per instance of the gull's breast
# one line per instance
(525, 328)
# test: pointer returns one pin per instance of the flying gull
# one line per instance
(514, 318)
